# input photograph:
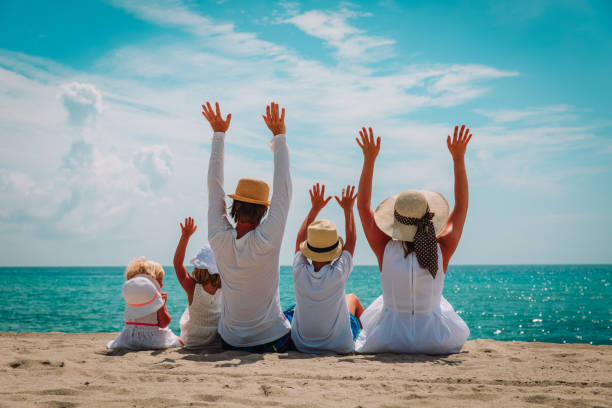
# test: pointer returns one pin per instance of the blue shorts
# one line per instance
(355, 326)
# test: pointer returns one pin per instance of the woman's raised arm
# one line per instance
(376, 238)
(450, 236)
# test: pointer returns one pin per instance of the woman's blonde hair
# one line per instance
(142, 266)
(203, 276)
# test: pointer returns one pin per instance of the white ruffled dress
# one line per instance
(200, 320)
(411, 316)
(145, 335)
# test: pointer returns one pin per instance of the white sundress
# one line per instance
(411, 316)
(200, 320)
(144, 334)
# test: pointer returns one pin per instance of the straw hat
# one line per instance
(323, 243)
(252, 191)
(411, 204)
(142, 297)
(205, 259)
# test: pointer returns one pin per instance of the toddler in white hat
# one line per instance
(200, 320)
(146, 315)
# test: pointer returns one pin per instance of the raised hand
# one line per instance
(215, 119)
(317, 197)
(368, 146)
(189, 228)
(348, 198)
(458, 144)
(275, 123)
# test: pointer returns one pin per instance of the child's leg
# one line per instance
(354, 306)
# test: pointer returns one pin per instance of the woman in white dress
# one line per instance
(413, 238)
(200, 320)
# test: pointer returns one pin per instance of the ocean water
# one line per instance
(553, 303)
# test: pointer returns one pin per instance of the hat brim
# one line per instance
(384, 216)
(132, 312)
(322, 256)
(248, 200)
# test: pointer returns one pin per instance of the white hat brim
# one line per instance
(384, 216)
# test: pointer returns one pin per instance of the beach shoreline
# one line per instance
(72, 370)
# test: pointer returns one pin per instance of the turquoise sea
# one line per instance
(553, 303)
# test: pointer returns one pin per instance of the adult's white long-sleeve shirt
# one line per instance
(249, 266)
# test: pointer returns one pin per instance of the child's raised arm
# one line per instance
(318, 200)
(347, 202)
(163, 317)
(182, 275)
(376, 238)
(450, 236)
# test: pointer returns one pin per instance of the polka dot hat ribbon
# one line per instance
(425, 244)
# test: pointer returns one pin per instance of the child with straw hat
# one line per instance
(248, 254)
(413, 238)
(325, 319)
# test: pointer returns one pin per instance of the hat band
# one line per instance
(321, 250)
(145, 303)
(141, 324)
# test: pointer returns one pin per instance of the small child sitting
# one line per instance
(325, 319)
(146, 316)
(200, 320)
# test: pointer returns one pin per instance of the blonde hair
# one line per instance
(142, 266)
(203, 276)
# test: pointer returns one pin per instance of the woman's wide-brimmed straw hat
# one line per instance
(410, 204)
(142, 297)
(323, 243)
(251, 191)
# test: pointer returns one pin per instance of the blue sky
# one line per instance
(103, 149)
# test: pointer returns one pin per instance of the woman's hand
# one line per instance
(368, 146)
(317, 197)
(275, 123)
(189, 228)
(458, 144)
(215, 119)
(348, 198)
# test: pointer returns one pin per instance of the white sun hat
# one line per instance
(205, 259)
(142, 297)
(410, 204)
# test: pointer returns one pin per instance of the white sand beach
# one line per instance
(74, 370)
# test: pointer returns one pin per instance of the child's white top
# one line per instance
(411, 316)
(200, 320)
(321, 319)
(249, 266)
(144, 335)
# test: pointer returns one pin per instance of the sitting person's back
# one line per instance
(248, 255)
(325, 318)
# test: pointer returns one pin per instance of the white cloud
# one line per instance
(350, 42)
(82, 101)
(545, 114)
(155, 162)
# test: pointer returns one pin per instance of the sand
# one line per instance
(75, 370)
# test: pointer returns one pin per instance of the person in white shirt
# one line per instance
(325, 319)
(248, 254)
